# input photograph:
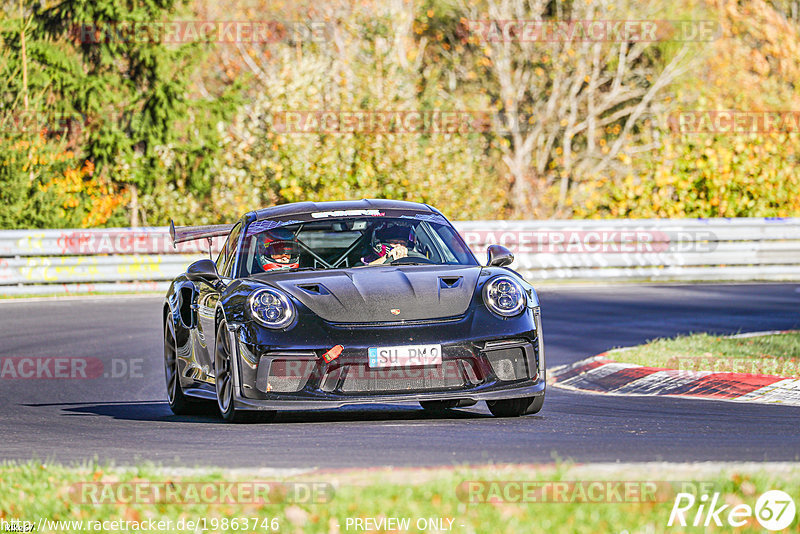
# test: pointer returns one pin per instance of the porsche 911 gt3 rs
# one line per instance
(320, 305)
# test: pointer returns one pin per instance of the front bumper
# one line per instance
(317, 404)
(470, 372)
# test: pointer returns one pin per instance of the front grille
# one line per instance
(361, 378)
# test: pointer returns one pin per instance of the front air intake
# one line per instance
(511, 360)
(287, 376)
(284, 372)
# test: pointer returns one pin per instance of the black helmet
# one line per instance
(391, 232)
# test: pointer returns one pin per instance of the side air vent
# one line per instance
(450, 282)
(314, 289)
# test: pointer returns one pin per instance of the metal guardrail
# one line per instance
(94, 260)
(143, 259)
(647, 249)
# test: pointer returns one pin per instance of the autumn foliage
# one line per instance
(186, 131)
(45, 186)
(754, 65)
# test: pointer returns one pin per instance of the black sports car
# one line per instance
(319, 305)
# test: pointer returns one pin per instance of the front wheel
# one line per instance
(225, 386)
(516, 407)
(178, 402)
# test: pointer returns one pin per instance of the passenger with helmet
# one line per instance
(277, 249)
(389, 243)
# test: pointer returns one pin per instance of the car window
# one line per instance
(353, 242)
(230, 252)
(222, 257)
(453, 244)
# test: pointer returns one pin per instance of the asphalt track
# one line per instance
(126, 419)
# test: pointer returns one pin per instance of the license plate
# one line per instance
(405, 356)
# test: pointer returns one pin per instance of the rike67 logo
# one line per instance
(774, 510)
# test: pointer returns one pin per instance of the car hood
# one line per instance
(381, 294)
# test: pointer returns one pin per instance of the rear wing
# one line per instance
(190, 233)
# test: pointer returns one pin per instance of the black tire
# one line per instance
(224, 384)
(179, 403)
(516, 407)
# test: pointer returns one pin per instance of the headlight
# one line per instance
(272, 308)
(504, 296)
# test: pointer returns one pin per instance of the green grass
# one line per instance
(777, 354)
(31, 491)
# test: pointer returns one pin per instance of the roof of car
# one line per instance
(301, 208)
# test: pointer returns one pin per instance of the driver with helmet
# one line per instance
(389, 243)
(277, 249)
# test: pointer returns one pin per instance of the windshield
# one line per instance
(351, 242)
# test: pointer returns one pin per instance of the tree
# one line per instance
(569, 109)
(370, 62)
(130, 90)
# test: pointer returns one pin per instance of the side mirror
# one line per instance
(499, 256)
(205, 270)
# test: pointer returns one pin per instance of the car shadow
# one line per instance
(159, 411)
(128, 411)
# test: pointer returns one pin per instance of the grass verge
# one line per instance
(774, 354)
(576, 498)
